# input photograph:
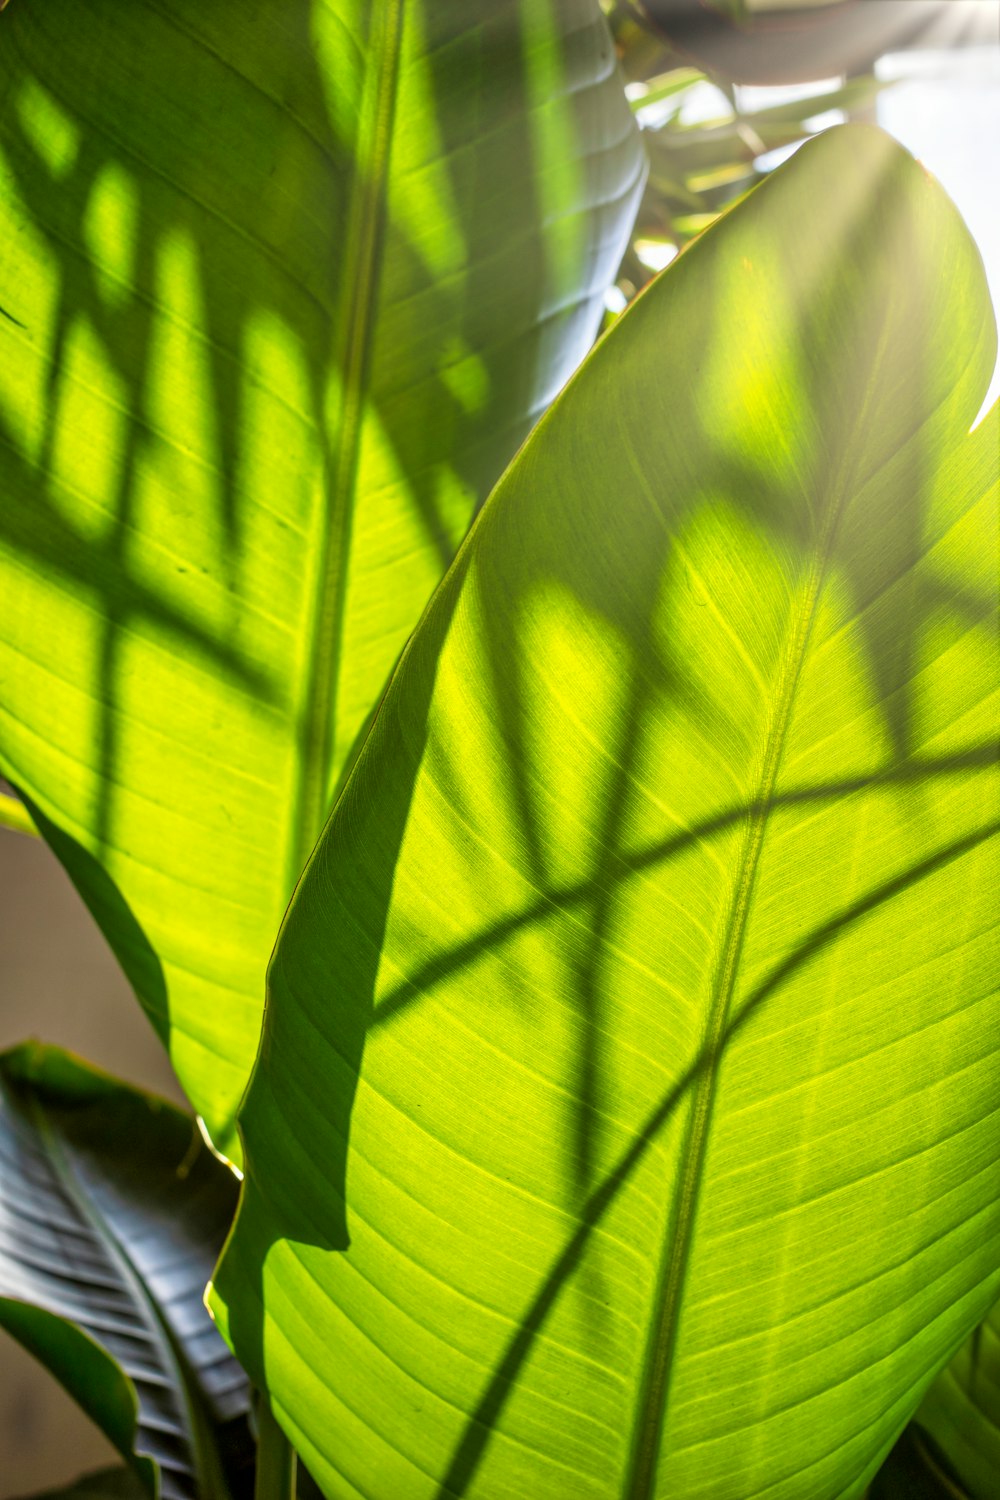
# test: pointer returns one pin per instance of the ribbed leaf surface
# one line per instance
(112, 1211)
(282, 286)
(626, 1118)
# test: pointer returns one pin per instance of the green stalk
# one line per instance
(276, 1458)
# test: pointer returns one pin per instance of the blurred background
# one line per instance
(724, 90)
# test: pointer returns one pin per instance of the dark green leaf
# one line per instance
(962, 1411)
(912, 1472)
(112, 1211)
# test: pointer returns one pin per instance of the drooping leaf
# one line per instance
(112, 1211)
(962, 1410)
(283, 288)
(625, 1118)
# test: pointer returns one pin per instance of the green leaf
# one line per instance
(112, 1211)
(854, 94)
(691, 149)
(962, 1410)
(625, 1120)
(14, 814)
(677, 81)
(911, 1473)
(284, 287)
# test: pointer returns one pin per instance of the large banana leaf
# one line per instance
(112, 1211)
(625, 1122)
(282, 287)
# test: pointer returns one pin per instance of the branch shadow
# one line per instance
(826, 506)
(181, 206)
(182, 176)
(469, 1452)
(396, 1001)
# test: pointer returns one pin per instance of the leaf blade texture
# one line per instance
(284, 289)
(625, 1122)
(112, 1210)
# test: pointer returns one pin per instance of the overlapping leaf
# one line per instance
(911, 1473)
(625, 1122)
(962, 1410)
(112, 1211)
(281, 289)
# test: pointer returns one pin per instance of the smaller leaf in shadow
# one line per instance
(959, 1420)
(912, 1472)
(112, 1212)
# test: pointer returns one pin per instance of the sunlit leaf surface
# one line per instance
(626, 1122)
(112, 1210)
(282, 286)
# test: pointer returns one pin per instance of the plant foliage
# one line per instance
(625, 1120)
(277, 312)
(624, 1117)
(112, 1212)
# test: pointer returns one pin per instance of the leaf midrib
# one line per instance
(203, 1469)
(654, 1382)
(358, 295)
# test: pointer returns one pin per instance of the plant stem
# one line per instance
(276, 1458)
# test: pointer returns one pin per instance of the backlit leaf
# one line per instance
(625, 1122)
(284, 285)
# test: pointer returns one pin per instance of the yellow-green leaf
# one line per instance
(283, 287)
(625, 1122)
